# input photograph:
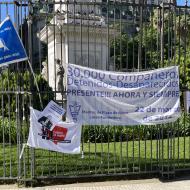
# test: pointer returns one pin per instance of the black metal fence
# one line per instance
(110, 35)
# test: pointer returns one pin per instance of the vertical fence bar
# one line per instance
(30, 10)
(145, 148)
(185, 77)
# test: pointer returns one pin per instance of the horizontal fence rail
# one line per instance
(107, 35)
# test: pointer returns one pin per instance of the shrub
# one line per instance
(127, 133)
(8, 131)
(11, 83)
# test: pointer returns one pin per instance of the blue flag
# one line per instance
(11, 47)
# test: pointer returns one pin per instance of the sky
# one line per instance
(183, 2)
(9, 9)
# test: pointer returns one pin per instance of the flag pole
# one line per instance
(20, 50)
(35, 81)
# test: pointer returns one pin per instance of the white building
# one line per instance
(79, 35)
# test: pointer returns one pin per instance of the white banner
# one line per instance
(62, 137)
(110, 98)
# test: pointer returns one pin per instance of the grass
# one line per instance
(99, 158)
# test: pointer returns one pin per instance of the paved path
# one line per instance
(148, 184)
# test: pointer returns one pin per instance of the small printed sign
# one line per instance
(52, 114)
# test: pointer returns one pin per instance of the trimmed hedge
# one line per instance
(127, 133)
(8, 131)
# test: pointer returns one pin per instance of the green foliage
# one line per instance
(45, 90)
(12, 82)
(183, 29)
(184, 61)
(8, 131)
(104, 134)
(129, 133)
(10, 128)
(161, 44)
(123, 51)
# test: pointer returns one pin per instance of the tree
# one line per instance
(11, 83)
(163, 42)
(123, 51)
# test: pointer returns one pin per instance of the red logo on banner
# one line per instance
(59, 134)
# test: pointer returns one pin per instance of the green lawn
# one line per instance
(99, 158)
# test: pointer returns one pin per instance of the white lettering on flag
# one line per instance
(11, 47)
(61, 137)
(109, 98)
